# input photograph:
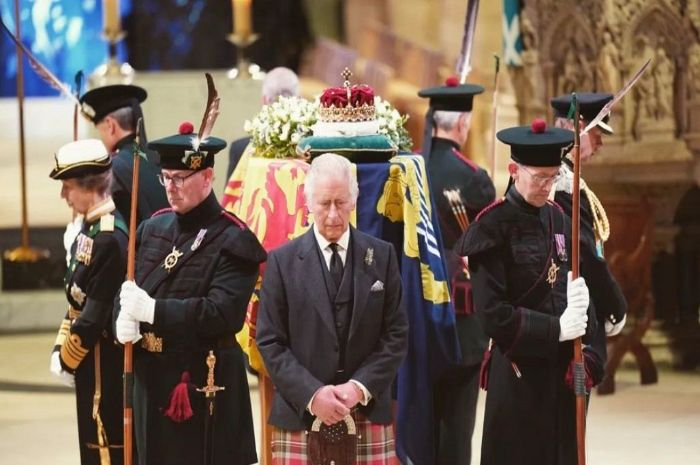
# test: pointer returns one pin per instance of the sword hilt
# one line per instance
(211, 388)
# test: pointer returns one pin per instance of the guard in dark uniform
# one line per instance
(196, 267)
(460, 189)
(85, 352)
(519, 256)
(610, 303)
(115, 111)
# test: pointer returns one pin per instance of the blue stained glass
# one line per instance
(65, 35)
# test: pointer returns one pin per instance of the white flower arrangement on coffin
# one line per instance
(278, 128)
(392, 124)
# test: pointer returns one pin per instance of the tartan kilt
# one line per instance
(375, 444)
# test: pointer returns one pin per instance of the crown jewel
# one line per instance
(347, 103)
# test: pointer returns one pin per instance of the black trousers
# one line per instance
(455, 399)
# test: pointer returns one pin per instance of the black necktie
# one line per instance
(336, 265)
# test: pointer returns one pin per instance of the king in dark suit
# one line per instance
(331, 328)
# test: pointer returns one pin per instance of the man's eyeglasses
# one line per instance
(177, 181)
(541, 180)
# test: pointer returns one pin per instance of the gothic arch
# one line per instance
(664, 23)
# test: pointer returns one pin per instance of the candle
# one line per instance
(242, 23)
(110, 12)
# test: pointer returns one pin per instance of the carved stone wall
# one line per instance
(598, 45)
(655, 153)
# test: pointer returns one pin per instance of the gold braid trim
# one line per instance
(63, 332)
(601, 225)
(73, 352)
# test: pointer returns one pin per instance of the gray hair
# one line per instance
(330, 165)
(446, 120)
(280, 82)
(124, 117)
(100, 182)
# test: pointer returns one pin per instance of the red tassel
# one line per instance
(180, 408)
(484, 370)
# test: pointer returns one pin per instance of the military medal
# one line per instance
(561, 247)
(552, 273)
(83, 249)
(198, 240)
(171, 260)
(77, 294)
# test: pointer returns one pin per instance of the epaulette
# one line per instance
(161, 212)
(490, 207)
(234, 219)
(107, 223)
(465, 160)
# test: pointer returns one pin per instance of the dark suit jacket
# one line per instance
(296, 333)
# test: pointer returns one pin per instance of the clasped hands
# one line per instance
(332, 403)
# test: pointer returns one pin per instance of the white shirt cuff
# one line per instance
(366, 396)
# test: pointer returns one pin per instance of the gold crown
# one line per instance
(332, 109)
(347, 114)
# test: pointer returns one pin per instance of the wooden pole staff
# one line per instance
(22, 149)
(130, 276)
(579, 369)
(494, 118)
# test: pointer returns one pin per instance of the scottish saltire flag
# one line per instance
(512, 37)
(394, 204)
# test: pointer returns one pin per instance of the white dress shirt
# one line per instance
(325, 246)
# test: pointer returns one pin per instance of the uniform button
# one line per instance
(338, 325)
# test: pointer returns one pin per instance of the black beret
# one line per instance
(589, 105)
(537, 145)
(98, 103)
(183, 151)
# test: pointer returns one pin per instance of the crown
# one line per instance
(348, 103)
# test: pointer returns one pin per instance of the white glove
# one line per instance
(572, 323)
(55, 367)
(127, 328)
(577, 292)
(136, 302)
(613, 329)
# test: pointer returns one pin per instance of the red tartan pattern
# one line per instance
(375, 445)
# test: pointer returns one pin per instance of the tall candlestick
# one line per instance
(242, 21)
(112, 20)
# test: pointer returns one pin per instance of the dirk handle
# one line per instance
(211, 388)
